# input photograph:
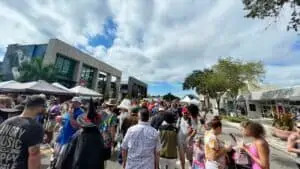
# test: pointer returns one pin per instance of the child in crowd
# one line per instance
(198, 154)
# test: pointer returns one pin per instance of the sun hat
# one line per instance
(76, 99)
(125, 104)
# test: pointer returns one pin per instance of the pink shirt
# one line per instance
(253, 151)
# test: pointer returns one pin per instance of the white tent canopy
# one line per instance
(6, 83)
(186, 99)
(83, 91)
(194, 101)
(59, 85)
(39, 86)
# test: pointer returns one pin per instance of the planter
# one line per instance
(282, 134)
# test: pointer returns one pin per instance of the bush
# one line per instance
(237, 119)
(283, 121)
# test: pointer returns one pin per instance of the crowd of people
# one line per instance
(143, 134)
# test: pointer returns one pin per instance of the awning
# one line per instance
(83, 91)
(256, 95)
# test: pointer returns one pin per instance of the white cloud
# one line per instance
(157, 40)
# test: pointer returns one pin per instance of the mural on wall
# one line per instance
(18, 54)
(16, 60)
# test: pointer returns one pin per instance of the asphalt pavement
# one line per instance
(279, 159)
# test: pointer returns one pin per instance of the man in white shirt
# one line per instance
(141, 145)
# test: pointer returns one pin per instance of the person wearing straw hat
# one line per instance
(124, 107)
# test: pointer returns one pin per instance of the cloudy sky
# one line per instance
(158, 41)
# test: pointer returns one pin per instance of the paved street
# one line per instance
(279, 160)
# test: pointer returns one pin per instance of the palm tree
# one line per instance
(34, 70)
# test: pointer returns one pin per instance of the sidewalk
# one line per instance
(274, 142)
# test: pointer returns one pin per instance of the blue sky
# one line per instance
(158, 42)
(108, 36)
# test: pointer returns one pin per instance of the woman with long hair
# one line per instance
(259, 150)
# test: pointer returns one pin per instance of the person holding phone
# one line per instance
(259, 150)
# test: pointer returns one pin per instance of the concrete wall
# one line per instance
(57, 46)
(254, 114)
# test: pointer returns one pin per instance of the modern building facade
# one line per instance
(74, 67)
(134, 88)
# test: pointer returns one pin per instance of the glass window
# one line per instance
(65, 66)
(87, 74)
(252, 107)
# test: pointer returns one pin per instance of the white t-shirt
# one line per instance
(183, 129)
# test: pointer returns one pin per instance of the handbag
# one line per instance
(241, 158)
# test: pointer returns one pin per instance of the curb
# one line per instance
(268, 138)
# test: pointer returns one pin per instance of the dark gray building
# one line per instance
(74, 66)
(133, 88)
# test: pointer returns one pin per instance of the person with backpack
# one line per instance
(169, 144)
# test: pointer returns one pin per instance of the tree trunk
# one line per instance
(218, 105)
(207, 107)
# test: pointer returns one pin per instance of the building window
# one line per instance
(87, 74)
(65, 67)
(252, 107)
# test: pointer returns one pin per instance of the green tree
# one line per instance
(34, 70)
(170, 97)
(228, 75)
(262, 9)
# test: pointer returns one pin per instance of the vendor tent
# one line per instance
(6, 83)
(60, 86)
(186, 99)
(39, 86)
(83, 91)
(194, 101)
